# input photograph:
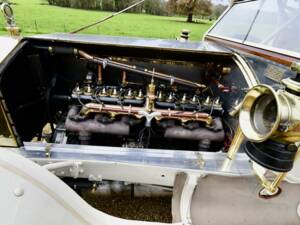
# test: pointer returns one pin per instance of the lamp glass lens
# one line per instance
(264, 114)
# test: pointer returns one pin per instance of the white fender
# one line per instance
(294, 175)
(31, 195)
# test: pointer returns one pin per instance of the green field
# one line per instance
(36, 17)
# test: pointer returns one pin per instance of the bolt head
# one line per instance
(18, 192)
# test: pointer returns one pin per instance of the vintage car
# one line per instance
(213, 124)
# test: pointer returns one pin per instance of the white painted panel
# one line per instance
(7, 44)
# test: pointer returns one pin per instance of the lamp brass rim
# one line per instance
(245, 120)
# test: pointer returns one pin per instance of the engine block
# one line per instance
(137, 114)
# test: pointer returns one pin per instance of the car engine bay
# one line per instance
(74, 95)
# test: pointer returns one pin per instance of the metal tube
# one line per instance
(107, 18)
(235, 144)
(100, 75)
(122, 66)
(59, 165)
(137, 111)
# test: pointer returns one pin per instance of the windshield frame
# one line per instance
(245, 42)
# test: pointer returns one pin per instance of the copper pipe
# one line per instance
(146, 72)
(124, 78)
(135, 111)
(100, 77)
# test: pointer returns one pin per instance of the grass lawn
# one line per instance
(35, 17)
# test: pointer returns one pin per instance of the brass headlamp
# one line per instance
(10, 20)
(269, 120)
(266, 113)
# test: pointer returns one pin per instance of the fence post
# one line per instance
(35, 25)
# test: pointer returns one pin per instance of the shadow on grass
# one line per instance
(194, 22)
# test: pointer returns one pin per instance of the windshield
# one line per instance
(271, 24)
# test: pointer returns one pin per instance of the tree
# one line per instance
(119, 5)
(218, 10)
(155, 7)
(191, 7)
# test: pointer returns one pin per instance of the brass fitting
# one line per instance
(151, 96)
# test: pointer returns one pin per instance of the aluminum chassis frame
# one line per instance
(147, 166)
